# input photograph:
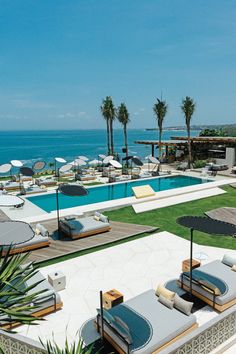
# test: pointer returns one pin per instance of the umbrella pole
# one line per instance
(58, 217)
(191, 260)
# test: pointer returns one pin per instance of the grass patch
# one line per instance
(165, 218)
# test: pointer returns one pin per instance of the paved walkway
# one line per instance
(132, 268)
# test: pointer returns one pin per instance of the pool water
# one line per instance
(98, 194)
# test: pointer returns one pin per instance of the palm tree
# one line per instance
(123, 117)
(160, 110)
(188, 107)
(108, 112)
(17, 298)
(74, 348)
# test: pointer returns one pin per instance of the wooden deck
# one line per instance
(65, 246)
(223, 214)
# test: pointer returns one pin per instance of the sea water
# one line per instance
(30, 146)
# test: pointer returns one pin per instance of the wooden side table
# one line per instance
(186, 264)
(112, 298)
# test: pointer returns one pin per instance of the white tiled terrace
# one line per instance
(132, 268)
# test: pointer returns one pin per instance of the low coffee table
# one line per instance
(112, 298)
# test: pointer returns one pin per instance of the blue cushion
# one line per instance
(122, 329)
(106, 316)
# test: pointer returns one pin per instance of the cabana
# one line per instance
(143, 324)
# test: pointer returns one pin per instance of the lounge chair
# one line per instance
(217, 167)
(47, 302)
(83, 227)
(214, 283)
(152, 326)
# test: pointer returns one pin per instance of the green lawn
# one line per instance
(165, 218)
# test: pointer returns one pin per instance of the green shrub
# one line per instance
(199, 164)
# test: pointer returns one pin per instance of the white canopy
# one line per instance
(154, 160)
(16, 163)
(83, 158)
(79, 162)
(95, 162)
(60, 159)
(115, 163)
(5, 168)
(102, 156)
(65, 168)
(7, 200)
(107, 159)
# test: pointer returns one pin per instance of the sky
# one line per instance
(59, 59)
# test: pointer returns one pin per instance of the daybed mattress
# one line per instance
(166, 324)
(83, 225)
(225, 274)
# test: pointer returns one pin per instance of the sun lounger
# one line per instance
(143, 191)
(152, 325)
(218, 274)
(83, 227)
(47, 302)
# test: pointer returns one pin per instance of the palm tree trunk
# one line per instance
(159, 151)
(108, 138)
(111, 136)
(189, 148)
(126, 142)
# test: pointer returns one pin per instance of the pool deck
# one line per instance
(131, 268)
(59, 248)
(31, 213)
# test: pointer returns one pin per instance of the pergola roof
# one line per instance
(207, 139)
(163, 142)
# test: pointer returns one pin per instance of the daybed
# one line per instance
(152, 325)
(85, 178)
(32, 190)
(215, 275)
(46, 302)
(47, 182)
(10, 186)
(217, 167)
(83, 227)
(13, 233)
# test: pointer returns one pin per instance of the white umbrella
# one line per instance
(83, 158)
(79, 162)
(101, 156)
(7, 200)
(154, 160)
(65, 168)
(5, 168)
(60, 160)
(115, 163)
(16, 163)
(95, 162)
(107, 159)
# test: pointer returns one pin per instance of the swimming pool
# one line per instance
(98, 194)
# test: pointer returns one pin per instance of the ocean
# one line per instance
(30, 146)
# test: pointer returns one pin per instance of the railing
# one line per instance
(201, 341)
(207, 337)
(18, 344)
